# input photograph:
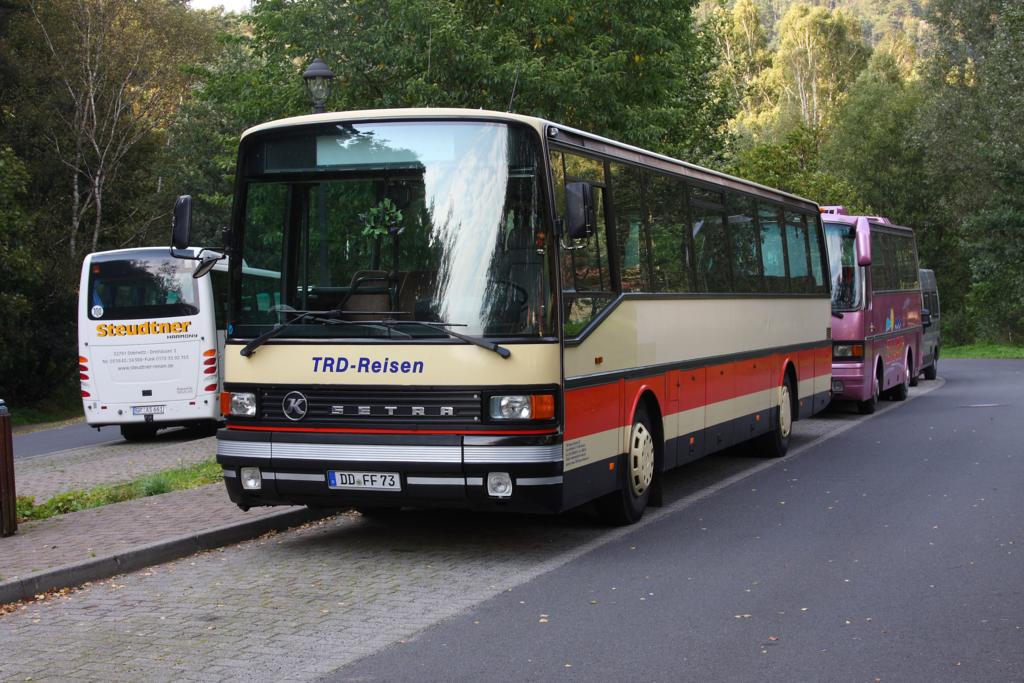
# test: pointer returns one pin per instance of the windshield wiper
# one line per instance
(329, 316)
(837, 314)
(443, 327)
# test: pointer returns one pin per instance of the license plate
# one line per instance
(364, 481)
(147, 410)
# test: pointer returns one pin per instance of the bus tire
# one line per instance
(627, 504)
(932, 371)
(867, 407)
(775, 443)
(138, 432)
(902, 390)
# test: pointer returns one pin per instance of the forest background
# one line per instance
(904, 108)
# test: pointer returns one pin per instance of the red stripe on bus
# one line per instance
(340, 430)
(590, 410)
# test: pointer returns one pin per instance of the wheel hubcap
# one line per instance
(641, 459)
(785, 411)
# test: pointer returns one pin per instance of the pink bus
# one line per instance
(876, 308)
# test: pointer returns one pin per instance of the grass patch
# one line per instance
(43, 413)
(63, 403)
(177, 479)
(983, 351)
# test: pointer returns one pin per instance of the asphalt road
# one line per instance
(62, 438)
(79, 435)
(890, 553)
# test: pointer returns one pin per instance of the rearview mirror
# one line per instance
(181, 224)
(863, 243)
(580, 216)
(926, 317)
(206, 263)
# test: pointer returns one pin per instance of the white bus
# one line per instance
(149, 341)
(494, 311)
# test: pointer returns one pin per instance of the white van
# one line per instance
(150, 341)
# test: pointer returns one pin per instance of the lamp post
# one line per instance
(318, 78)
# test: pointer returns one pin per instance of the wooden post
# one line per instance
(8, 499)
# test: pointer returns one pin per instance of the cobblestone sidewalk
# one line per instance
(44, 476)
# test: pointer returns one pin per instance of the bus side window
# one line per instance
(710, 241)
(746, 247)
(670, 250)
(586, 285)
(800, 279)
(625, 193)
(773, 248)
(817, 247)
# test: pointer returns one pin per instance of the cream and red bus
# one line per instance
(495, 311)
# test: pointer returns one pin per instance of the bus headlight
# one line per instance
(241, 404)
(499, 484)
(251, 478)
(522, 407)
(848, 351)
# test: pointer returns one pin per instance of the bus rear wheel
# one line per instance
(902, 390)
(138, 432)
(775, 443)
(932, 371)
(627, 504)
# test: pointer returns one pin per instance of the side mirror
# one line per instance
(863, 243)
(206, 263)
(580, 217)
(926, 317)
(181, 224)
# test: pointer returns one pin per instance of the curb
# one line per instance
(72, 575)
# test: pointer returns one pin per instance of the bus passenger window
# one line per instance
(665, 202)
(626, 196)
(773, 250)
(710, 241)
(746, 246)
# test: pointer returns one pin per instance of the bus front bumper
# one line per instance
(848, 382)
(365, 470)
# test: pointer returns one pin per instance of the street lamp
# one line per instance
(318, 78)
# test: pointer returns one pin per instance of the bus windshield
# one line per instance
(144, 285)
(846, 275)
(394, 223)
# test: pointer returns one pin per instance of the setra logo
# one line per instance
(294, 406)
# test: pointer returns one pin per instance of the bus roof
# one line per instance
(873, 221)
(150, 252)
(542, 126)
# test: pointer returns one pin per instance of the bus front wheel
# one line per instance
(627, 504)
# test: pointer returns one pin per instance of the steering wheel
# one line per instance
(519, 296)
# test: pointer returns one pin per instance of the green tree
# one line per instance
(635, 71)
(820, 54)
(20, 270)
(967, 128)
(112, 72)
(794, 165)
(89, 87)
(994, 237)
